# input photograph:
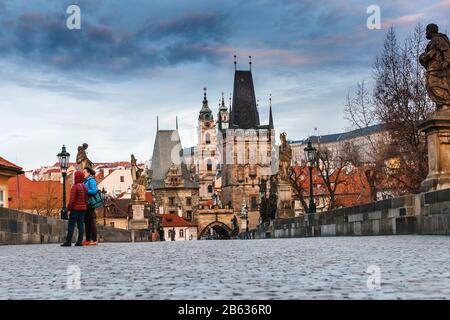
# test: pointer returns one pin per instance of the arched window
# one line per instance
(210, 189)
(209, 165)
(207, 138)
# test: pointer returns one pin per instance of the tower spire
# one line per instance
(270, 113)
(235, 62)
(250, 62)
(205, 112)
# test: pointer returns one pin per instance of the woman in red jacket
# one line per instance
(77, 207)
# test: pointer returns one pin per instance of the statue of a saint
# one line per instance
(133, 168)
(82, 158)
(139, 186)
(284, 159)
(436, 60)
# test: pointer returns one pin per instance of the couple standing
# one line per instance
(83, 201)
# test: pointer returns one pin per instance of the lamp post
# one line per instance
(311, 158)
(104, 198)
(63, 158)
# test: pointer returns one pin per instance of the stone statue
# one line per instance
(82, 158)
(139, 186)
(133, 168)
(285, 158)
(273, 198)
(436, 60)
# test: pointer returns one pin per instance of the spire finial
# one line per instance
(235, 62)
(250, 62)
(270, 112)
(205, 100)
(176, 122)
(230, 100)
(157, 123)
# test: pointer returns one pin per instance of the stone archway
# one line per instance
(215, 230)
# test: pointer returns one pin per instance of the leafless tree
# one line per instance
(298, 182)
(399, 102)
(46, 202)
(331, 164)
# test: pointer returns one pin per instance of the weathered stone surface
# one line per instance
(23, 228)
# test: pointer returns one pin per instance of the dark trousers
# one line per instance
(91, 225)
(75, 218)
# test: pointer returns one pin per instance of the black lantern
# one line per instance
(63, 158)
(311, 159)
(311, 154)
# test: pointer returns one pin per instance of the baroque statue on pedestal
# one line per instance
(285, 159)
(436, 60)
(82, 158)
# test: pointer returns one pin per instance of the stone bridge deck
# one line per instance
(411, 267)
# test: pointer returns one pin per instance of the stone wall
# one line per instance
(24, 228)
(426, 213)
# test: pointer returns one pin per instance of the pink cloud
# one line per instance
(401, 20)
(264, 56)
(444, 4)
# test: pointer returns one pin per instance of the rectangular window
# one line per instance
(188, 201)
(122, 179)
(171, 201)
(181, 233)
(2, 198)
(254, 203)
(189, 215)
(112, 224)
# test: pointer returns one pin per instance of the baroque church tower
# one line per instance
(207, 157)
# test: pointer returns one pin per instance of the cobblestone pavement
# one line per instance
(310, 268)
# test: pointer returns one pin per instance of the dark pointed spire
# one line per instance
(270, 113)
(250, 62)
(205, 112)
(235, 62)
(222, 105)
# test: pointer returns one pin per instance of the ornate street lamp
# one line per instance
(311, 159)
(63, 158)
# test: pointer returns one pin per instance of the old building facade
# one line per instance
(172, 182)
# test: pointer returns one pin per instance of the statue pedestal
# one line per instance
(138, 222)
(284, 202)
(437, 130)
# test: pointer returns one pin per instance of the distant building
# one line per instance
(8, 170)
(361, 138)
(184, 229)
(173, 183)
(117, 182)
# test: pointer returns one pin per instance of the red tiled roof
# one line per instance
(173, 220)
(9, 165)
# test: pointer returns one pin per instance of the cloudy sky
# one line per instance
(136, 59)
